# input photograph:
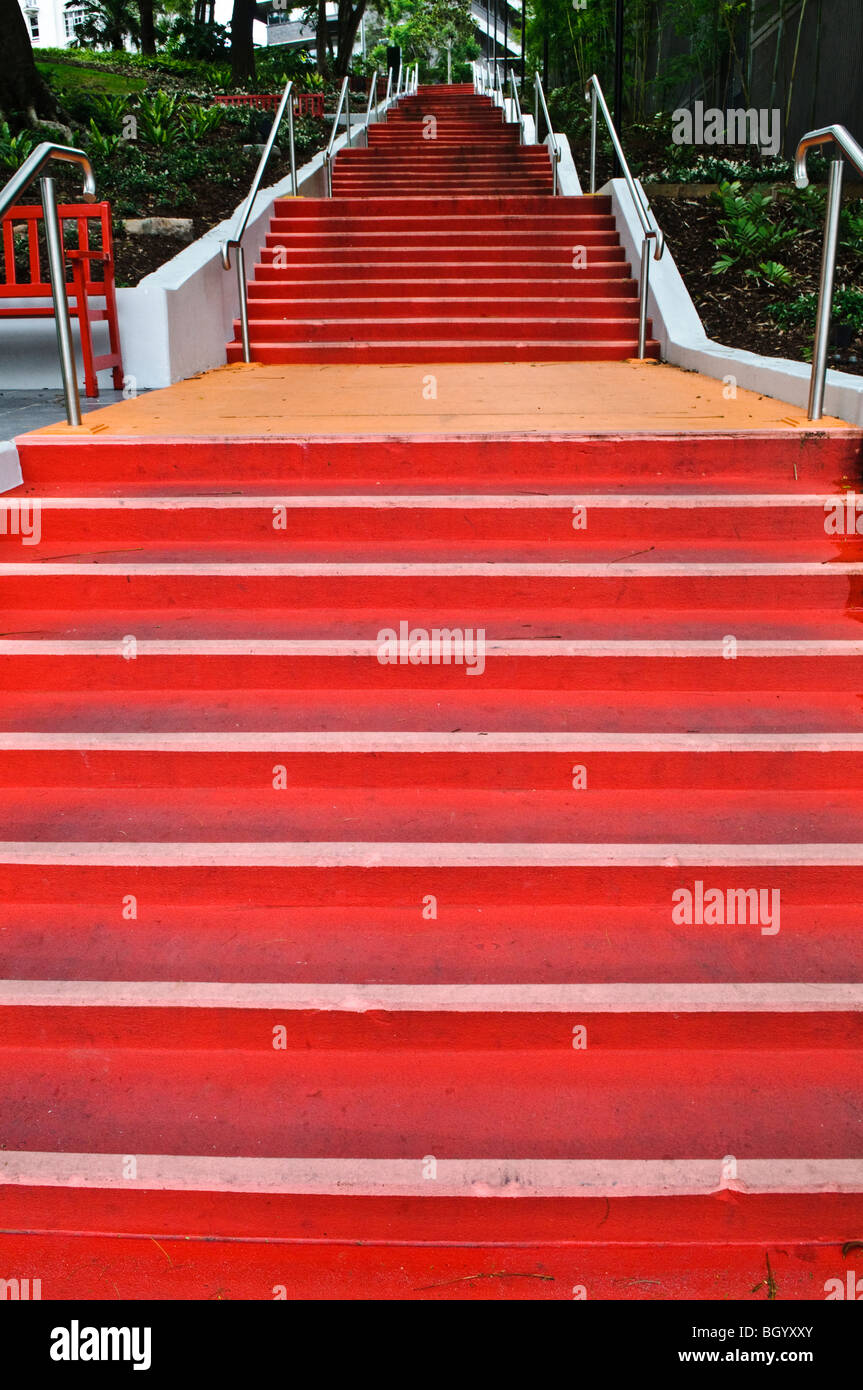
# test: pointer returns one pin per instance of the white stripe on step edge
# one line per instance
(397, 741)
(489, 1177)
(364, 646)
(607, 501)
(366, 854)
(457, 570)
(449, 998)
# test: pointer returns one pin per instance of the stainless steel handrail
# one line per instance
(837, 135)
(498, 86)
(344, 101)
(389, 92)
(372, 102)
(539, 103)
(516, 106)
(235, 241)
(649, 226)
(10, 195)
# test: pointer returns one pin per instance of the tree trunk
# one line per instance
(322, 48)
(242, 41)
(148, 27)
(348, 24)
(22, 90)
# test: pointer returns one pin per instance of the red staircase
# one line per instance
(312, 964)
(442, 243)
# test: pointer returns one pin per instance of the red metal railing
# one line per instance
(92, 299)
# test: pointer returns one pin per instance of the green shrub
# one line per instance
(748, 232)
(14, 149)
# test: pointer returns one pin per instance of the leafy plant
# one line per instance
(748, 232)
(158, 118)
(100, 145)
(110, 111)
(200, 121)
(14, 149)
(771, 273)
(802, 311)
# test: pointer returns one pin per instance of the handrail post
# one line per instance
(536, 107)
(818, 380)
(293, 149)
(593, 139)
(642, 296)
(62, 321)
(348, 112)
(244, 304)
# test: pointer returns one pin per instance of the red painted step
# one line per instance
(386, 222)
(345, 955)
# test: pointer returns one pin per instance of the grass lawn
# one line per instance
(74, 77)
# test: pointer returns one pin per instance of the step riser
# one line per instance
(575, 326)
(266, 314)
(133, 1031)
(484, 942)
(390, 894)
(76, 1267)
(423, 530)
(396, 352)
(764, 463)
(598, 276)
(599, 249)
(311, 1104)
(499, 772)
(301, 209)
(284, 289)
(358, 226)
(523, 676)
(475, 595)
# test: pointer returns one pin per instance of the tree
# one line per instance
(22, 90)
(147, 27)
(347, 24)
(323, 47)
(423, 28)
(242, 41)
(108, 23)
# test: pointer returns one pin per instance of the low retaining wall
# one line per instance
(684, 342)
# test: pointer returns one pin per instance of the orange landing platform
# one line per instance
(446, 398)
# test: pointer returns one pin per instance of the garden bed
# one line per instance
(749, 246)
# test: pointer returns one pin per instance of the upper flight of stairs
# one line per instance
(442, 141)
(295, 946)
(449, 249)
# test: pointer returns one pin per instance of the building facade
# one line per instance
(51, 22)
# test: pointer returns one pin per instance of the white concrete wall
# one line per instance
(684, 342)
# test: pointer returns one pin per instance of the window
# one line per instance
(74, 16)
(33, 21)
